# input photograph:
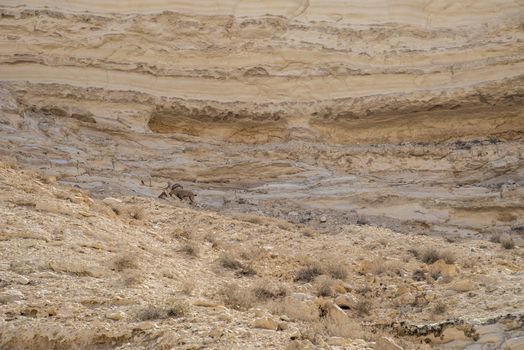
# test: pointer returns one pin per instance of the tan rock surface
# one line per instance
(108, 278)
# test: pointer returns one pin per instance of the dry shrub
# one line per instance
(431, 255)
(380, 266)
(178, 308)
(136, 213)
(507, 242)
(337, 271)
(233, 296)
(363, 308)
(180, 233)
(188, 286)
(495, 238)
(131, 277)
(150, 313)
(325, 287)
(308, 273)
(191, 249)
(228, 261)
(266, 290)
(439, 308)
(125, 261)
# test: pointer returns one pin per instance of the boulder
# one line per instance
(346, 301)
(266, 323)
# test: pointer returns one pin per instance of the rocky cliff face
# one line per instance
(399, 113)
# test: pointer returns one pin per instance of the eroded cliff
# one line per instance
(401, 114)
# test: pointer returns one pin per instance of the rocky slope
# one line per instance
(133, 273)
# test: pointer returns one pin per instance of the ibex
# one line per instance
(178, 191)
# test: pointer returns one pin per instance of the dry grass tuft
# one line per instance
(229, 262)
(431, 255)
(188, 286)
(136, 213)
(363, 308)
(125, 261)
(308, 273)
(239, 299)
(439, 308)
(177, 309)
(337, 271)
(507, 242)
(191, 249)
(325, 287)
(131, 277)
(150, 313)
(266, 290)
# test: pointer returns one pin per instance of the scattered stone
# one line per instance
(323, 219)
(266, 323)
(144, 326)
(116, 316)
(464, 285)
(21, 280)
(346, 301)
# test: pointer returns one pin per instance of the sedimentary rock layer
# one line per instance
(292, 59)
(372, 107)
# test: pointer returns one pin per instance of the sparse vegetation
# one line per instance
(239, 299)
(188, 286)
(229, 262)
(495, 238)
(439, 308)
(150, 312)
(432, 255)
(325, 288)
(125, 261)
(191, 249)
(177, 309)
(363, 308)
(507, 242)
(131, 277)
(337, 271)
(308, 273)
(267, 290)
